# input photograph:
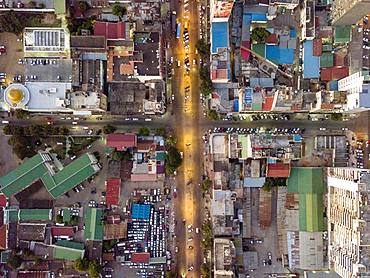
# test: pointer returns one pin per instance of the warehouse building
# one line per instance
(43, 167)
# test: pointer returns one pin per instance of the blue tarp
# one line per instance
(220, 36)
(297, 138)
(333, 85)
(248, 96)
(140, 211)
(311, 64)
(258, 17)
(236, 105)
(293, 33)
(280, 56)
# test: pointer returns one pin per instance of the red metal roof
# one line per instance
(62, 231)
(121, 141)
(334, 73)
(272, 39)
(278, 170)
(110, 30)
(143, 177)
(267, 105)
(244, 50)
(339, 59)
(113, 191)
(317, 47)
(140, 257)
(3, 237)
(2, 200)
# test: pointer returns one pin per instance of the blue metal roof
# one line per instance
(236, 105)
(247, 18)
(259, 17)
(293, 33)
(311, 64)
(220, 35)
(333, 85)
(248, 98)
(140, 211)
(280, 56)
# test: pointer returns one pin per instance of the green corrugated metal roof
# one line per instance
(66, 215)
(161, 156)
(13, 215)
(60, 6)
(69, 250)
(246, 145)
(311, 211)
(71, 244)
(70, 176)
(260, 49)
(342, 34)
(256, 106)
(34, 214)
(326, 60)
(306, 180)
(93, 224)
(21, 177)
(308, 183)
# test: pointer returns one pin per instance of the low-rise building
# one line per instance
(224, 258)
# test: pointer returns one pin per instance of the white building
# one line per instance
(349, 221)
(224, 256)
(357, 86)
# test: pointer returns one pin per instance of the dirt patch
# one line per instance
(8, 160)
(9, 60)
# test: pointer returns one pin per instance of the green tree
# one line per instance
(21, 114)
(42, 6)
(161, 131)
(94, 269)
(121, 155)
(81, 264)
(170, 141)
(32, 4)
(206, 185)
(259, 34)
(203, 48)
(272, 182)
(59, 219)
(337, 116)
(83, 6)
(171, 274)
(14, 261)
(173, 160)
(109, 244)
(213, 115)
(144, 131)
(107, 129)
(205, 270)
(119, 10)
(73, 221)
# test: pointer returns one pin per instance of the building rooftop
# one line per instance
(148, 44)
(121, 141)
(88, 42)
(69, 250)
(111, 30)
(140, 211)
(113, 191)
(46, 40)
(94, 224)
(31, 232)
(26, 215)
(115, 231)
(66, 231)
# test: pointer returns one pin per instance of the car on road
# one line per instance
(269, 255)
(191, 268)
(176, 249)
(191, 247)
(322, 128)
(135, 119)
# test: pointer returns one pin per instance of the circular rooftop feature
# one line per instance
(16, 95)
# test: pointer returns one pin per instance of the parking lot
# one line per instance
(9, 59)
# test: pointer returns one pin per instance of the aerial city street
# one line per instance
(184, 138)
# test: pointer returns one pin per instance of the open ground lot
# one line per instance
(9, 60)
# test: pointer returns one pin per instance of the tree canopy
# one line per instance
(107, 129)
(144, 131)
(173, 160)
(259, 34)
(119, 10)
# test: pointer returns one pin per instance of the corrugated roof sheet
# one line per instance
(22, 176)
(220, 35)
(2, 200)
(70, 176)
(93, 224)
(3, 240)
(113, 191)
(260, 49)
(34, 215)
(278, 170)
(326, 60)
(280, 56)
(62, 231)
(110, 30)
(69, 250)
(317, 47)
(121, 141)
(140, 211)
(140, 257)
(342, 34)
(311, 64)
(334, 73)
